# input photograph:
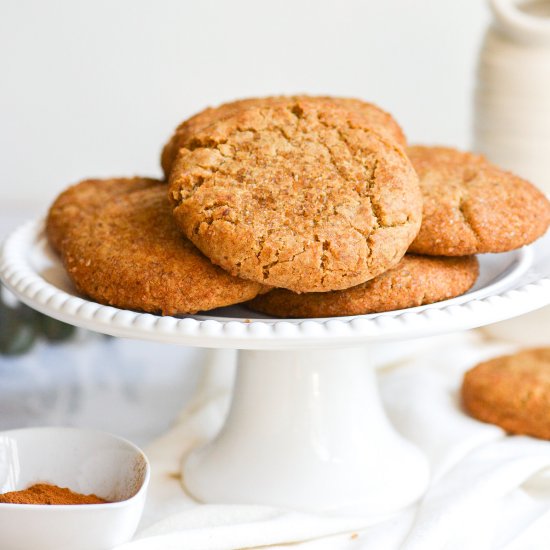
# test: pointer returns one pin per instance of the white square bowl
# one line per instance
(85, 461)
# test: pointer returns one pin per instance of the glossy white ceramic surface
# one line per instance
(85, 461)
(306, 430)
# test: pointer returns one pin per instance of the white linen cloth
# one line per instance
(487, 491)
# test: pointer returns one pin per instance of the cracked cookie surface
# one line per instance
(377, 119)
(472, 206)
(512, 392)
(296, 196)
(121, 247)
(415, 281)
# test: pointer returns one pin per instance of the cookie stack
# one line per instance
(306, 206)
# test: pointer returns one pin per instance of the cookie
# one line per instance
(121, 247)
(80, 201)
(375, 118)
(472, 206)
(415, 281)
(296, 196)
(512, 392)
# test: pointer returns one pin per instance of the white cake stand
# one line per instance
(306, 428)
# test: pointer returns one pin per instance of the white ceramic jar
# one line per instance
(512, 97)
(512, 117)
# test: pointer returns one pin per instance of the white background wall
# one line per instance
(95, 88)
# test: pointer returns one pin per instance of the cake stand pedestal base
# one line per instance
(306, 430)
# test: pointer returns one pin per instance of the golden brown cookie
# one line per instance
(512, 392)
(121, 247)
(472, 206)
(377, 119)
(75, 204)
(296, 196)
(415, 281)
(374, 117)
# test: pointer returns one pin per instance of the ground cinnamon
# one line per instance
(43, 493)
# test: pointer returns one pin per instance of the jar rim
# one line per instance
(519, 24)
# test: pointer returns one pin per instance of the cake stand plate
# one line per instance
(306, 428)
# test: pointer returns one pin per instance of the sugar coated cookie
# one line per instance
(374, 117)
(512, 392)
(471, 206)
(296, 196)
(121, 247)
(415, 281)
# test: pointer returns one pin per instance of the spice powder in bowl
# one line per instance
(40, 470)
(43, 493)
